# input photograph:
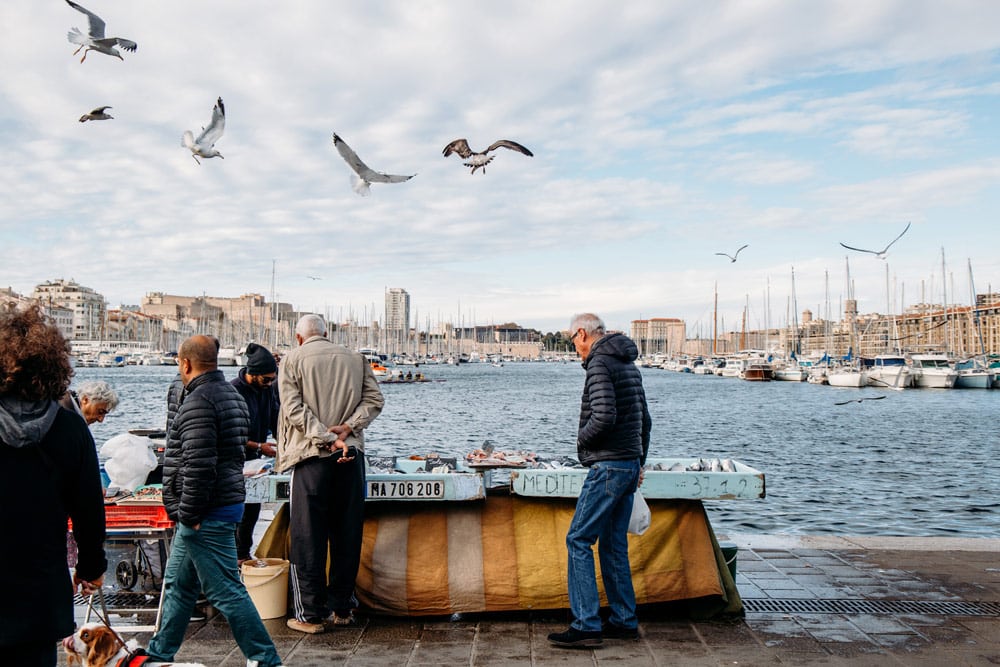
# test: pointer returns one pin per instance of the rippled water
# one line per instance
(919, 462)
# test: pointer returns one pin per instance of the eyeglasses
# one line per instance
(267, 379)
(575, 334)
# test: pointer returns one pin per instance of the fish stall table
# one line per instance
(135, 522)
(453, 540)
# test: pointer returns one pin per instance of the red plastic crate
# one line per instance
(135, 516)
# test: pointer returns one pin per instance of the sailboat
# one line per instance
(973, 373)
(849, 373)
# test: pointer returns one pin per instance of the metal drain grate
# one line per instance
(933, 607)
(121, 600)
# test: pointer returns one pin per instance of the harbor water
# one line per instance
(919, 462)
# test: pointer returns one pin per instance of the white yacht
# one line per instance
(846, 376)
(889, 370)
(932, 371)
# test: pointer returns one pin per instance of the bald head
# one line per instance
(197, 355)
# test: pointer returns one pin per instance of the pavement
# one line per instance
(810, 600)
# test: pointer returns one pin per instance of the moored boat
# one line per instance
(846, 376)
(932, 371)
(971, 374)
(888, 370)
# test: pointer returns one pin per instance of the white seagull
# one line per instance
(95, 40)
(363, 175)
(879, 253)
(732, 258)
(204, 146)
(96, 114)
(481, 159)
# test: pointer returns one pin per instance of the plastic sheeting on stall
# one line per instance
(508, 553)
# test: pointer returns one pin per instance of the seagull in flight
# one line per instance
(858, 400)
(363, 175)
(95, 40)
(478, 160)
(314, 277)
(96, 114)
(732, 258)
(204, 145)
(879, 253)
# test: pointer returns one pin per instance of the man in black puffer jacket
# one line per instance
(613, 440)
(203, 492)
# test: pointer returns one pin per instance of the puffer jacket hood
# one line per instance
(24, 423)
(616, 345)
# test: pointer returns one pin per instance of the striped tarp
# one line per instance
(509, 553)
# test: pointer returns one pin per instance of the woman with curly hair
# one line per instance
(48, 473)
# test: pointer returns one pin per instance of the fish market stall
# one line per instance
(474, 546)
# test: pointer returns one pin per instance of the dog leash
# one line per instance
(134, 658)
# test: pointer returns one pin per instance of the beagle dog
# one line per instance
(95, 645)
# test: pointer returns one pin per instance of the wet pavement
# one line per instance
(810, 600)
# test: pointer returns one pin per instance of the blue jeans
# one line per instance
(602, 513)
(205, 560)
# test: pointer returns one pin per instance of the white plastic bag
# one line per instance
(129, 460)
(639, 521)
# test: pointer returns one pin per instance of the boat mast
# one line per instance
(944, 292)
(715, 319)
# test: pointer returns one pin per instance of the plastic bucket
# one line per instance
(267, 585)
(729, 551)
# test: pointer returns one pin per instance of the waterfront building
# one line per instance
(235, 320)
(397, 316)
(659, 335)
(89, 308)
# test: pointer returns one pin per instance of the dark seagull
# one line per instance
(96, 114)
(364, 176)
(879, 253)
(858, 400)
(481, 159)
(732, 258)
(95, 40)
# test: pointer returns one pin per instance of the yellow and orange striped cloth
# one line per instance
(509, 553)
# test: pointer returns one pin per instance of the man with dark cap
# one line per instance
(256, 385)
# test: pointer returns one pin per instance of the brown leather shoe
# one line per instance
(305, 626)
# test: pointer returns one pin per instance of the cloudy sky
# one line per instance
(662, 132)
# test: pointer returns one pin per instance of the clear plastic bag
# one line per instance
(639, 521)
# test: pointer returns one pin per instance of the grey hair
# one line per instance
(98, 391)
(310, 325)
(589, 322)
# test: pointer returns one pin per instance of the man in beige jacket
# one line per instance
(328, 396)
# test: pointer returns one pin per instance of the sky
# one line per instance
(662, 133)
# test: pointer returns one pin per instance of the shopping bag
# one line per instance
(639, 521)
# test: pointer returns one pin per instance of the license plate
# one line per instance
(430, 488)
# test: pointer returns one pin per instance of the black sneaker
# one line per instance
(574, 638)
(612, 631)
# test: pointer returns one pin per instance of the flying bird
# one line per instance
(363, 175)
(314, 277)
(732, 258)
(96, 114)
(858, 400)
(879, 253)
(204, 145)
(95, 40)
(481, 159)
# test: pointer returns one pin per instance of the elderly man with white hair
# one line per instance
(329, 395)
(92, 400)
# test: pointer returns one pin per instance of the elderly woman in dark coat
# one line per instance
(48, 474)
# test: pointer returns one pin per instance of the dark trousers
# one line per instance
(33, 654)
(326, 516)
(244, 534)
